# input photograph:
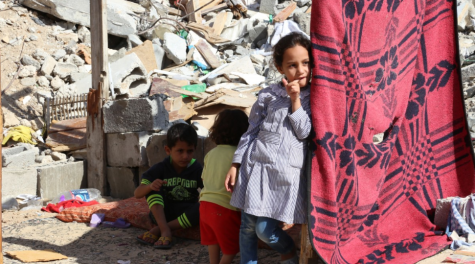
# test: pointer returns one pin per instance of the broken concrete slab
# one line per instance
(21, 156)
(267, 6)
(303, 20)
(119, 21)
(122, 181)
(129, 76)
(235, 30)
(135, 115)
(127, 149)
(63, 70)
(56, 178)
(16, 181)
(133, 41)
(10, 119)
(27, 71)
(242, 65)
(175, 47)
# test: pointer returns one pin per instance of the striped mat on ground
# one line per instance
(392, 67)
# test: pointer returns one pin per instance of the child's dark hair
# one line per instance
(182, 132)
(229, 125)
(289, 41)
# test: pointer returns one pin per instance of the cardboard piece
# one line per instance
(207, 115)
(146, 55)
(36, 255)
(179, 108)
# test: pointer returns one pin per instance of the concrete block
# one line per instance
(130, 76)
(121, 181)
(20, 156)
(135, 115)
(56, 178)
(127, 149)
(175, 47)
(48, 65)
(156, 149)
(120, 22)
(17, 181)
(63, 70)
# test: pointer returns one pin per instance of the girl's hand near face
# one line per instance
(293, 90)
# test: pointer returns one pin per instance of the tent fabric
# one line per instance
(392, 67)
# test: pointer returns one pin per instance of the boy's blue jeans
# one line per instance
(266, 229)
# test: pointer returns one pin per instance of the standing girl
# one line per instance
(271, 187)
(220, 221)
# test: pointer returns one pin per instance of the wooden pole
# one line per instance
(1, 165)
(96, 140)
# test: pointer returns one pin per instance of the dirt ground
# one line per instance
(35, 230)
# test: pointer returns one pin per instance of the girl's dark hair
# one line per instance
(229, 125)
(289, 41)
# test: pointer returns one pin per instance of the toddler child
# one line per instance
(171, 187)
(220, 221)
(271, 185)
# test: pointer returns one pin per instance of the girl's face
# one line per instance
(296, 65)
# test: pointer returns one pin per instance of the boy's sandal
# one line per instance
(163, 240)
(147, 235)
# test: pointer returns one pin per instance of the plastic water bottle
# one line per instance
(85, 195)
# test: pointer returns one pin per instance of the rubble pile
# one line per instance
(168, 62)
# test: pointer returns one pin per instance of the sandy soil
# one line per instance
(33, 230)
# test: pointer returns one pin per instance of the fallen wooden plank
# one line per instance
(67, 140)
(219, 21)
(213, 4)
(284, 14)
(65, 125)
(209, 99)
(207, 54)
(161, 86)
(191, 6)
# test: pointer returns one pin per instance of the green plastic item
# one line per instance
(196, 88)
(270, 19)
(182, 33)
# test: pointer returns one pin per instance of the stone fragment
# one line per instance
(85, 68)
(228, 53)
(10, 119)
(37, 123)
(59, 54)
(134, 115)
(43, 81)
(175, 47)
(27, 71)
(40, 55)
(58, 156)
(63, 70)
(127, 149)
(122, 181)
(257, 28)
(28, 60)
(301, 3)
(48, 66)
(29, 81)
(84, 35)
(121, 15)
(33, 37)
(240, 50)
(57, 83)
(25, 122)
(76, 60)
(75, 77)
(44, 159)
(267, 6)
(32, 30)
(159, 54)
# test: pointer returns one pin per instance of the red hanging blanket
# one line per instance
(392, 67)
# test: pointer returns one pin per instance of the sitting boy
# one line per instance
(171, 188)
